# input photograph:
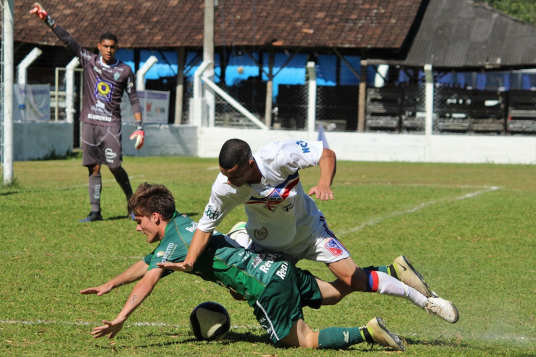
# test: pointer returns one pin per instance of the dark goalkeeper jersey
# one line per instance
(104, 85)
(223, 261)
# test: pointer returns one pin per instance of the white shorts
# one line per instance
(323, 246)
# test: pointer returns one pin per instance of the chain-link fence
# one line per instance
(336, 107)
(291, 107)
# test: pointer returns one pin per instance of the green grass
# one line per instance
(477, 251)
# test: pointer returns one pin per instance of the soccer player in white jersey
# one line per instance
(283, 219)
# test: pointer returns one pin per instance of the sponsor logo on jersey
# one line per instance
(160, 254)
(85, 55)
(334, 246)
(97, 70)
(99, 117)
(129, 85)
(303, 145)
(260, 234)
(103, 90)
(110, 155)
(117, 75)
(270, 208)
(100, 108)
(288, 207)
(211, 213)
(169, 250)
(282, 271)
(192, 228)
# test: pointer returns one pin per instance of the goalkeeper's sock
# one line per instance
(121, 177)
(387, 285)
(387, 269)
(95, 188)
(340, 337)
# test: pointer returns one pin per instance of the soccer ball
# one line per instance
(209, 321)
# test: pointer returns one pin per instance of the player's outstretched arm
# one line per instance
(328, 168)
(138, 294)
(132, 274)
(197, 246)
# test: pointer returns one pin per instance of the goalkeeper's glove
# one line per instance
(42, 14)
(139, 135)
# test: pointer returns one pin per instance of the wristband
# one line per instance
(50, 22)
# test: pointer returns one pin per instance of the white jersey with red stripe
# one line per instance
(281, 216)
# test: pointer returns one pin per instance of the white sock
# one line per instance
(387, 285)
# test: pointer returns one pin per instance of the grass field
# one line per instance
(468, 228)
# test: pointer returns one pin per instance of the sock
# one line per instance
(95, 188)
(388, 285)
(387, 269)
(339, 337)
(121, 177)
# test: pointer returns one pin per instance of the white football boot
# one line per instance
(442, 308)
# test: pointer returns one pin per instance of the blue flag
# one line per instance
(322, 136)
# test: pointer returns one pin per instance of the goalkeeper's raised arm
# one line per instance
(106, 79)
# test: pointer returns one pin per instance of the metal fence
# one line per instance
(401, 109)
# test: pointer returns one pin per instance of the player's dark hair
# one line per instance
(152, 198)
(108, 36)
(234, 152)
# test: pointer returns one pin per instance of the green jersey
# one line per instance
(223, 261)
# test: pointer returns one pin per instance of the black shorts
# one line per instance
(101, 145)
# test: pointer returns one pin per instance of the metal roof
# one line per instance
(466, 34)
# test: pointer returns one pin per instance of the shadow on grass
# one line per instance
(190, 214)
(231, 338)
(436, 342)
(117, 218)
(8, 193)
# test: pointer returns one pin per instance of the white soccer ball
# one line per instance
(210, 321)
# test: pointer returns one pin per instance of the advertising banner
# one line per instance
(31, 102)
(154, 107)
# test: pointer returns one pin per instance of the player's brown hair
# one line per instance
(152, 198)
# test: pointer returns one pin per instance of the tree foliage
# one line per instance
(524, 10)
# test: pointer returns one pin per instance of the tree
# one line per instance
(524, 10)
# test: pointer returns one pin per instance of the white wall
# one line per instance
(38, 140)
(162, 140)
(389, 147)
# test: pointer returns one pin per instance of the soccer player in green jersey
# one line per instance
(273, 287)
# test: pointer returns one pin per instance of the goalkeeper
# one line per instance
(105, 80)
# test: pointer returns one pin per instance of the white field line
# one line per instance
(87, 323)
(485, 336)
(415, 209)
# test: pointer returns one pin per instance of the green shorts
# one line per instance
(280, 305)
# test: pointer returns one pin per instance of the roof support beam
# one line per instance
(347, 63)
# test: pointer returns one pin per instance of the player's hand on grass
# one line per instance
(322, 192)
(112, 328)
(175, 266)
(39, 12)
(99, 290)
(139, 136)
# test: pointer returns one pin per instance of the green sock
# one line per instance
(339, 337)
(387, 269)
